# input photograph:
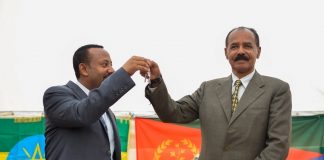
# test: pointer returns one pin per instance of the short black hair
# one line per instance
(256, 36)
(81, 56)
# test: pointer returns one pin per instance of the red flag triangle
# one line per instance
(165, 141)
(299, 154)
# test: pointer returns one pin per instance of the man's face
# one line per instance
(99, 67)
(242, 52)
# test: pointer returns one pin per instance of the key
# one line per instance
(147, 77)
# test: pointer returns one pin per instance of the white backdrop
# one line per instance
(186, 38)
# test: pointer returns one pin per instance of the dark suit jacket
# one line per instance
(73, 130)
(258, 129)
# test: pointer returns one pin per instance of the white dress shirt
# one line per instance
(245, 81)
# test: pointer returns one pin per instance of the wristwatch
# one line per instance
(155, 82)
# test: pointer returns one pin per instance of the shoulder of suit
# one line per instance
(223, 79)
(274, 83)
(272, 79)
(216, 81)
(59, 88)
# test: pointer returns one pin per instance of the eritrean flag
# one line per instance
(307, 138)
(157, 140)
(164, 141)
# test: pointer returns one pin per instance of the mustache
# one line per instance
(241, 57)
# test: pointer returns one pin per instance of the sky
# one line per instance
(185, 37)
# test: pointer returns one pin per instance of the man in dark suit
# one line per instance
(245, 116)
(79, 122)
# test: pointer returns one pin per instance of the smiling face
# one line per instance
(98, 68)
(242, 51)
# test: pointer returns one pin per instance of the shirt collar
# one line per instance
(84, 89)
(245, 80)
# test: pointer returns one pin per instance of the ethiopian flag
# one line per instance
(22, 138)
(156, 140)
(123, 129)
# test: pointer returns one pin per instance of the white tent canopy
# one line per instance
(186, 38)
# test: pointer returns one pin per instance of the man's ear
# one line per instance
(259, 52)
(83, 69)
(225, 53)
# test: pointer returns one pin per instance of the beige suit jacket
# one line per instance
(259, 128)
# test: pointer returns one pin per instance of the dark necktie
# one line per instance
(103, 123)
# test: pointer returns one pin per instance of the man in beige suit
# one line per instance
(247, 120)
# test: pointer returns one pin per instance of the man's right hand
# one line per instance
(136, 63)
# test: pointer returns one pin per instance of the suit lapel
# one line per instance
(224, 94)
(112, 118)
(251, 93)
(103, 124)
